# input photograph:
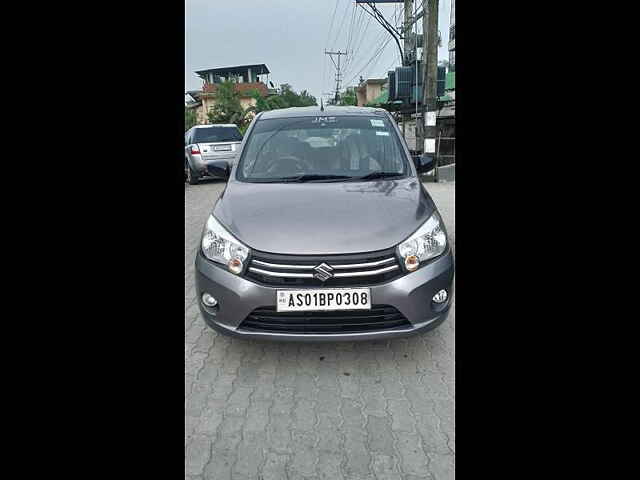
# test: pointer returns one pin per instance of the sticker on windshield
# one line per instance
(324, 120)
(383, 134)
(376, 122)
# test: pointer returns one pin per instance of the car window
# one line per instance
(217, 134)
(345, 146)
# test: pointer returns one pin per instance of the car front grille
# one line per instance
(337, 270)
(379, 318)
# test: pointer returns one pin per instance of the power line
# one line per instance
(331, 24)
(351, 29)
(360, 40)
(379, 17)
(326, 43)
(344, 17)
(353, 41)
(377, 42)
(373, 65)
(377, 54)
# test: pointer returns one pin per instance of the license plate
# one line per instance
(223, 148)
(324, 299)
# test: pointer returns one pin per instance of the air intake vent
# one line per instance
(379, 318)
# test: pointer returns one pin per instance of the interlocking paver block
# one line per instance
(378, 410)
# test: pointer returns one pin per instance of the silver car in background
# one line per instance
(204, 144)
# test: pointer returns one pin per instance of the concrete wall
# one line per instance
(368, 93)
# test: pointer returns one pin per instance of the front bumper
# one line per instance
(410, 294)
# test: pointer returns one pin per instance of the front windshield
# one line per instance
(322, 148)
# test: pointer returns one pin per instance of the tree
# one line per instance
(190, 118)
(307, 100)
(292, 99)
(349, 97)
(276, 101)
(227, 107)
(286, 98)
(264, 104)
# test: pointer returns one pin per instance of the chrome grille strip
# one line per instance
(277, 265)
(336, 275)
(333, 266)
(364, 265)
(281, 274)
(366, 272)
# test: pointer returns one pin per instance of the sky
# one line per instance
(290, 37)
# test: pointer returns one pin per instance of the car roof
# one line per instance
(314, 111)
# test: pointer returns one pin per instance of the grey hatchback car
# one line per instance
(204, 144)
(324, 232)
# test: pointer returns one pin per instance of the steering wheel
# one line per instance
(281, 165)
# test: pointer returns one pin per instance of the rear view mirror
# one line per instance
(220, 169)
(424, 163)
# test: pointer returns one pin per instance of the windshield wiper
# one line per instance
(377, 175)
(312, 177)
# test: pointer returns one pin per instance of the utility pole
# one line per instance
(406, 31)
(430, 76)
(338, 73)
(408, 8)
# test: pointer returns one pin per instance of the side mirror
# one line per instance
(424, 163)
(220, 169)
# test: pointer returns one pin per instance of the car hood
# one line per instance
(323, 218)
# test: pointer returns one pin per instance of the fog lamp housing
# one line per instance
(440, 297)
(209, 300)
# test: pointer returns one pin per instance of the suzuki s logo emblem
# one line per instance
(323, 272)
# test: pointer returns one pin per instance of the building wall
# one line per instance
(373, 91)
(209, 102)
(248, 102)
(200, 115)
(368, 93)
(361, 97)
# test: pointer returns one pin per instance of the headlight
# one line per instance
(427, 242)
(220, 246)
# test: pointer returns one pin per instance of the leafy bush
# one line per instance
(190, 118)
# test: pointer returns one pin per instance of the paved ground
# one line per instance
(260, 410)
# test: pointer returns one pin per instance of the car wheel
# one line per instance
(192, 177)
